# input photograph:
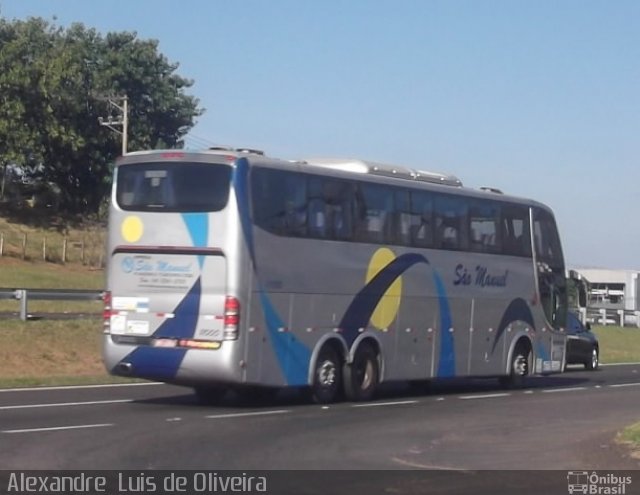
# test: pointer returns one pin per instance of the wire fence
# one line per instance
(86, 247)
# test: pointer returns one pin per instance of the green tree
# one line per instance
(53, 84)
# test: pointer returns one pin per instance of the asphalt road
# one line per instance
(561, 422)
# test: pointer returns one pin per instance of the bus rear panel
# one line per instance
(171, 284)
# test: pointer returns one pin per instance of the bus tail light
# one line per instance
(231, 318)
(106, 313)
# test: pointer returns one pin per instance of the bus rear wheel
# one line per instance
(362, 375)
(327, 376)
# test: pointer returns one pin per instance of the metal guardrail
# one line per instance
(25, 295)
(609, 316)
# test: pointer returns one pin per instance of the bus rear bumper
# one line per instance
(177, 365)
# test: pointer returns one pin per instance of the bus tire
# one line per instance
(327, 376)
(519, 367)
(362, 375)
(209, 395)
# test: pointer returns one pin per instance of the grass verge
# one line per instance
(630, 437)
(52, 352)
(37, 274)
(618, 345)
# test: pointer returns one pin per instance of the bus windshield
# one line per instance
(197, 187)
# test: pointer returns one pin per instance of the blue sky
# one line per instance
(540, 98)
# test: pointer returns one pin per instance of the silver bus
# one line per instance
(228, 269)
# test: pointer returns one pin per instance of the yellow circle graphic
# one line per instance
(387, 309)
(132, 229)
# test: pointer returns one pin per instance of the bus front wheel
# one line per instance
(519, 367)
(362, 375)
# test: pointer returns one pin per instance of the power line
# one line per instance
(121, 120)
(199, 141)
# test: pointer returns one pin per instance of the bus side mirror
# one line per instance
(588, 326)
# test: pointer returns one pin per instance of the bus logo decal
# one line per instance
(128, 264)
(483, 277)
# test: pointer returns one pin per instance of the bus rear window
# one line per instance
(173, 187)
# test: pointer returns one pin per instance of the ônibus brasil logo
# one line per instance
(593, 483)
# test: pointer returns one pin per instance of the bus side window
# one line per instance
(279, 201)
(341, 200)
(447, 233)
(317, 218)
(451, 222)
(515, 231)
(421, 219)
(295, 205)
(330, 208)
(375, 222)
(483, 223)
(339, 221)
(401, 221)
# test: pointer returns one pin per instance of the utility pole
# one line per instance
(119, 106)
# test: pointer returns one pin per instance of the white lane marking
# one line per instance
(64, 404)
(380, 404)
(243, 415)
(426, 466)
(484, 396)
(59, 428)
(620, 385)
(619, 364)
(78, 387)
(566, 389)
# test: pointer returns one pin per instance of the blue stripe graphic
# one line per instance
(447, 362)
(145, 360)
(198, 227)
(155, 363)
(292, 355)
(183, 324)
(240, 181)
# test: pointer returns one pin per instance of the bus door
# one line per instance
(552, 288)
